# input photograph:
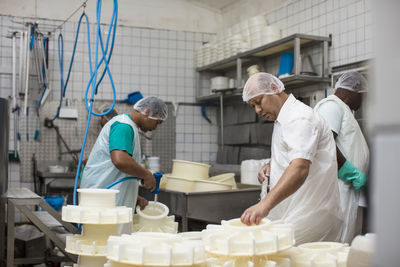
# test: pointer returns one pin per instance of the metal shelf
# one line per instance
(293, 42)
(291, 81)
(287, 43)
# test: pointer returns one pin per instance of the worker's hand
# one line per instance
(264, 173)
(349, 173)
(254, 214)
(142, 202)
(149, 181)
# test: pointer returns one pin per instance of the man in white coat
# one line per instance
(351, 147)
(303, 167)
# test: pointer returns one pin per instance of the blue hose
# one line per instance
(93, 78)
(122, 180)
(157, 176)
(61, 59)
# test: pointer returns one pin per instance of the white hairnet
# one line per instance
(352, 81)
(152, 107)
(260, 84)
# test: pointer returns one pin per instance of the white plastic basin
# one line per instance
(205, 186)
(179, 184)
(227, 178)
(105, 198)
(190, 170)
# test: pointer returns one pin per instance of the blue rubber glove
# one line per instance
(349, 173)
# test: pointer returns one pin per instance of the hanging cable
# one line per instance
(93, 78)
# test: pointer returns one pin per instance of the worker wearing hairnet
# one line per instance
(105, 118)
(352, 150)
(116, 153)
(302, 170)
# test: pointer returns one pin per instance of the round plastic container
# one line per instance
(190, 170)
(253, 69)
(179, 184)
(249, 170)
(227, 178)
(104, 198)
(220, 82)
(154, 218)
(205, 186)
(58, 169)
(154, 163)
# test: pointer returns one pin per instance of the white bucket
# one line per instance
(154, 163)
(249, 170)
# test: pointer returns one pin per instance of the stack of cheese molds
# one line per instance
(233, 244)
(100, 218)
(154, 249)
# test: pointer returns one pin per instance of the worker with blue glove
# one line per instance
(116, 153)
(351, 148)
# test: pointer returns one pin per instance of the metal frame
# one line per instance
(284, 44)
(28, 198)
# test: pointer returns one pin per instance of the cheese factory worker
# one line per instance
(303, 168)
(116, 153)
(351, 148)
(104, 119)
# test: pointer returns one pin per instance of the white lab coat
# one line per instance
(354, 148)
(314, 208)
(100, 172)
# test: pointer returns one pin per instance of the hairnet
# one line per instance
(104, 108)
(352, 81)
(152, 107)
(261, 85)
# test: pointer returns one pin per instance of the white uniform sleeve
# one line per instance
(333, 115)
(301, 137)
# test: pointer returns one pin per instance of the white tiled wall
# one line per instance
(349, 21)
(196, 139)
(161, 62)
(155, 62)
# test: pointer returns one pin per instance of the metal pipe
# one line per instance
(325, 67)
(221, 106)
(239, 73)
(26, 75)
(297, 56)
(5, 123)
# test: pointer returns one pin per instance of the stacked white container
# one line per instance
(99, 218)
(241, 37)
(237, 245)
(154, 249)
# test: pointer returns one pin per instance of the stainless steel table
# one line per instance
(21, 198)
(211, 207)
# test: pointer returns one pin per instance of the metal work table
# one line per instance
(41, 171)
(211, 207)
(21, 198)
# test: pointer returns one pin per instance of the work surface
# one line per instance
(211, 207)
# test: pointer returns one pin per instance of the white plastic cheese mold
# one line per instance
(154, 218)
(316, 254)
(233, 238)
(154, 249)
(97, 206)
(100, 218)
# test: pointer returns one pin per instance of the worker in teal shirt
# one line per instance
(116, 153)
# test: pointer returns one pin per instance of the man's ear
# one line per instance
(275, 88)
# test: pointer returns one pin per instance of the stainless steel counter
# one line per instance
(211, 207)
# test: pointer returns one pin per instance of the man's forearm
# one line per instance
(125, 163)
(291, 180)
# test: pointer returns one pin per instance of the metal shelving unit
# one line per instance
(293, 42)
